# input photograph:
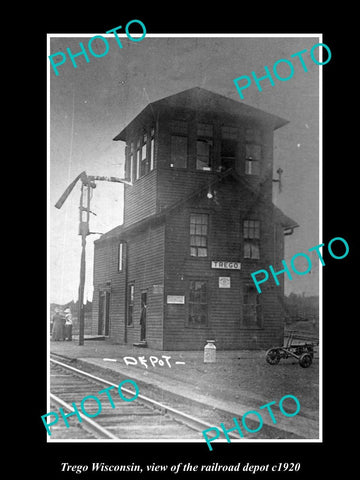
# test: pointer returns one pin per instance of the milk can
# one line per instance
(210, 352)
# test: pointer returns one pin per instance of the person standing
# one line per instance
(68, 325)
(58, 326)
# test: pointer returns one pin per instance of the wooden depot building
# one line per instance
(198, 220)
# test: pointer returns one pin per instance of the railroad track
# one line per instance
(142, 418)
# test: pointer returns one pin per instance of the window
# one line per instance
(132, 157)
(198, 303)
(144, 163)
(204, 147)
(128, 162)
(229, 147)
(252, 314)
(137, 159)
(251, 232)
(152, 149)
(203, 154)
(120, 256)
(179, 152)
(142, 154)
(228, 153)
(199, 234)
(130, 309)
(253, 153)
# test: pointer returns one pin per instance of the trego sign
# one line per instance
(226, 265)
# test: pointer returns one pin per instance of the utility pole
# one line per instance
(87, 185)
(83, 231)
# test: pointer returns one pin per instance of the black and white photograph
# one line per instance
(185, 249)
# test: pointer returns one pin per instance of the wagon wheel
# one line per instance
(273, 356)
(305, 360)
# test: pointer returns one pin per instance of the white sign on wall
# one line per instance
(177, 299)
(226, 265)
(224, 282)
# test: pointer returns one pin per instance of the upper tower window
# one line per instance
(137, 158)
(152, 148)
(141, 154)
(253, 151)
(179, 144)
(144, 162)
(179, 151)
(229, 146)
(204, 147)
(129, 161)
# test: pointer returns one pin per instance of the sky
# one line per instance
(89, 105)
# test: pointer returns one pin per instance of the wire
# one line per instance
(68, 181)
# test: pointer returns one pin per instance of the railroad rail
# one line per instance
(143, 418)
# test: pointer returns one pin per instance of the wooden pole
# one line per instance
(83, 231)
(88, 182)
(81, 289)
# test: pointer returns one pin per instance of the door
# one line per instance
(104, 313)
(143, 316)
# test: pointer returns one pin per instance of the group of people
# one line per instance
(61, 325)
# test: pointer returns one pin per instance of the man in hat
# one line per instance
(68, 324)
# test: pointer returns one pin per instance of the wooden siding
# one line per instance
(106, 257)
(140, 200)
(158, 256)
(225, 306)
(144, 257)
(177, 185)
(146, 270)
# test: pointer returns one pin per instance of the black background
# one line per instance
(333, 456)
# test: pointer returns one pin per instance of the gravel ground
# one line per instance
(237, 376)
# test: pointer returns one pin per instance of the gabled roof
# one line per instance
(205, 101)
(123, 232)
